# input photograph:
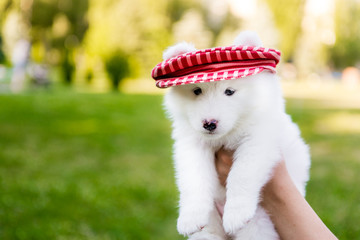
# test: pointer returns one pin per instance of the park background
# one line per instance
(85, 149)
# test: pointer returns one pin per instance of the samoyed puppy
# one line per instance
(246, 115)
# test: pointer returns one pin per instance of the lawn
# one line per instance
(83, 166)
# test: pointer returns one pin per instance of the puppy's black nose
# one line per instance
(210, 125)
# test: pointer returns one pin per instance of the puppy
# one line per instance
(246, 115)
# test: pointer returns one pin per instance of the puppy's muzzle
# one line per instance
(210, 125)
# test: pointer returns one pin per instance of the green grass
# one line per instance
(334, 138)
(80, 166)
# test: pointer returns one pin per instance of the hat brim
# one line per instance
(216, 64)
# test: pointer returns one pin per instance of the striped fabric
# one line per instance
(215, 64)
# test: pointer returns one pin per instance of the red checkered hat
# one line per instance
(215, 64)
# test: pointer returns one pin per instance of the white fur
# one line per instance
(248, 38)
(178, 49)
(252, 122)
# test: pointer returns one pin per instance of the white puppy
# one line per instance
(246, 115)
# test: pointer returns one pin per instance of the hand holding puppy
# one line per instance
(293, 220)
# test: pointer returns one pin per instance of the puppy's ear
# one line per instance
(248, 38)
(180, 48)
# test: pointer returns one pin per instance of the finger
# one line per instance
(224, 156)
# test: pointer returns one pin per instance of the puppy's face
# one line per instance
(214, 109)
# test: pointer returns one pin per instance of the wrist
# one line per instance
(278, 189)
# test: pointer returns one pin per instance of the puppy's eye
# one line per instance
(229, 92)
(197, 91)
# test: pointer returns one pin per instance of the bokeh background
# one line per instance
(85, 148)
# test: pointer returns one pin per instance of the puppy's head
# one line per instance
(217, 108)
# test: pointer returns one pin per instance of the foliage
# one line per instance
(288, 22)
(2, 55)
(81, 36)
(346, 51)
(60, 26)
(68, 67)
(4, 6)
(55, 22)
(177, 8)
(99, 167)
(85, 167)
(138, 28)
(117, 66)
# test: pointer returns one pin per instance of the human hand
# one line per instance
(223, 163)
(292, 216)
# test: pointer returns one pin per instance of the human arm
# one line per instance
(292, 216)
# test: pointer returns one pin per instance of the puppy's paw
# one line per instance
(236, 216)
(190, 222)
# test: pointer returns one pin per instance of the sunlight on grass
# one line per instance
(328, 94)
(338, 123)
(85, 166)
(72, 127)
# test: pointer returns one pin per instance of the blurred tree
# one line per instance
(218, 17)
(60, 26)
(288, 15)
(207, 19)
(68, 66)
(117, 66)
(137, 28)
(177, 8)
(4, 7)
(2, 55)
(346, 50)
